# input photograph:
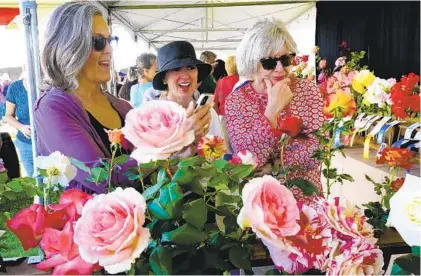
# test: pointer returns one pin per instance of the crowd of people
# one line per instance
(252, 92)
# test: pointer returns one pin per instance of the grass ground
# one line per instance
(9, 244)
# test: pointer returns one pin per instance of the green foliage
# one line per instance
(376, 216)
(406, 265)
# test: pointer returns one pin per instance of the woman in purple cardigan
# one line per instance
(73, 112)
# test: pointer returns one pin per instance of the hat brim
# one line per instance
(203, 70)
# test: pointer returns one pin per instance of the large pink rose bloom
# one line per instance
(157, 129)
(110, 230)
(270, 209)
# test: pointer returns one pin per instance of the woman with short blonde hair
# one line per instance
(253, 110)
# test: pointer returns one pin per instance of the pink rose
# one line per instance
(322, 77)
(62, 253)
(157, 130)
(245, 157)
(323, 64)
(110, 230)
(270, 209)
(340, 61)
(361, 258)
(304, 58)
(347, 221)
(308, 248)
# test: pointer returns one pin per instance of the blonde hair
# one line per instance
(231, 66)
(264, 39)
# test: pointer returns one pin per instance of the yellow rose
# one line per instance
(362, 80)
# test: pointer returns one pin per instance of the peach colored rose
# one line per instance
(397, 183)
(110, 230)
(323, 64)
(115, 136)
(270, 209)
(395, 157)
(157, 130)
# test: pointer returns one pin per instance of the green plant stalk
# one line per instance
(110, 172)
(47, 192)
(168, 169)
(284, 171)
(329, 154)
(394, 171)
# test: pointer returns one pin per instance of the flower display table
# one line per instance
(361, 190)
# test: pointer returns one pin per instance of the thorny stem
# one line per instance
(115, 147)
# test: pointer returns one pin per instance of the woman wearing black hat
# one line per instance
(179, 74)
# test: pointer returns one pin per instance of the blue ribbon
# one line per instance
(383, 130)
(337, 136)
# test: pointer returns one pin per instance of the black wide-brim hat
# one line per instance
(174, 55)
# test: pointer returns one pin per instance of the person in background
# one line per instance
(4, 85)
(225, 85)
(130, 80)
(146, 70)
(208, 85)
(178, 76)
(252, 112)
(73, 113)
(17, 115)
(219, 70)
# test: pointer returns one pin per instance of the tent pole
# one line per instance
(28, 10)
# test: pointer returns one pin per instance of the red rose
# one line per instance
(395, 157)
(125, 144)
(343, 45)
(292, 126)
(77, 197)
(62, 253)
(397, 183)
(30, 223)
(304, 58)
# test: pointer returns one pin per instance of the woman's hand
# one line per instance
(279, 96)
(26, 130)
(199, 121)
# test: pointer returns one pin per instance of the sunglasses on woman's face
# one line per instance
(270, 63)
(99, 42)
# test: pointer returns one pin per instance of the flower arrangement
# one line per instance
(302, 69)
(189, 213)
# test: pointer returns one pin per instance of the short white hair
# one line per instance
(264, 39)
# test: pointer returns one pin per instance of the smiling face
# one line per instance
(182, 82)
(97, 67)
(277, 74)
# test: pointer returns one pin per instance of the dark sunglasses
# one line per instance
(99, 42)
(270, 63)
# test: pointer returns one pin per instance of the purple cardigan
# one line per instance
(63, 125)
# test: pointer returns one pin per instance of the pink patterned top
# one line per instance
(249, 129)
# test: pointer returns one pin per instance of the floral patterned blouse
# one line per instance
(249, 129)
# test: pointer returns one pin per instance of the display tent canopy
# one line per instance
(209, 25)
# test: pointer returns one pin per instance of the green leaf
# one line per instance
(168, 203)
(184, 175)
(15, 186)
(220, 164)
(371, 180)
(240, 257)
(195, 186)
(122, 159)
(415, 250)
(397, 270)
(242, 171)
(195, 212)
(133, 174)
(231, 225)
(219, 182)
(185, 235)
(410, 263)
(80, 165)
(273, 272)
(332, 173)
(346, 177)
(205, 172)
(10, 195)
(99, 175)
(160, 261)
(149, 193)
(162, 176)
(191, 161)
(306, 186)
(222, 198)
(213, 260)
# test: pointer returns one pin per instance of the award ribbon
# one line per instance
(374, 131)
(360, 122)
(385, 128)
